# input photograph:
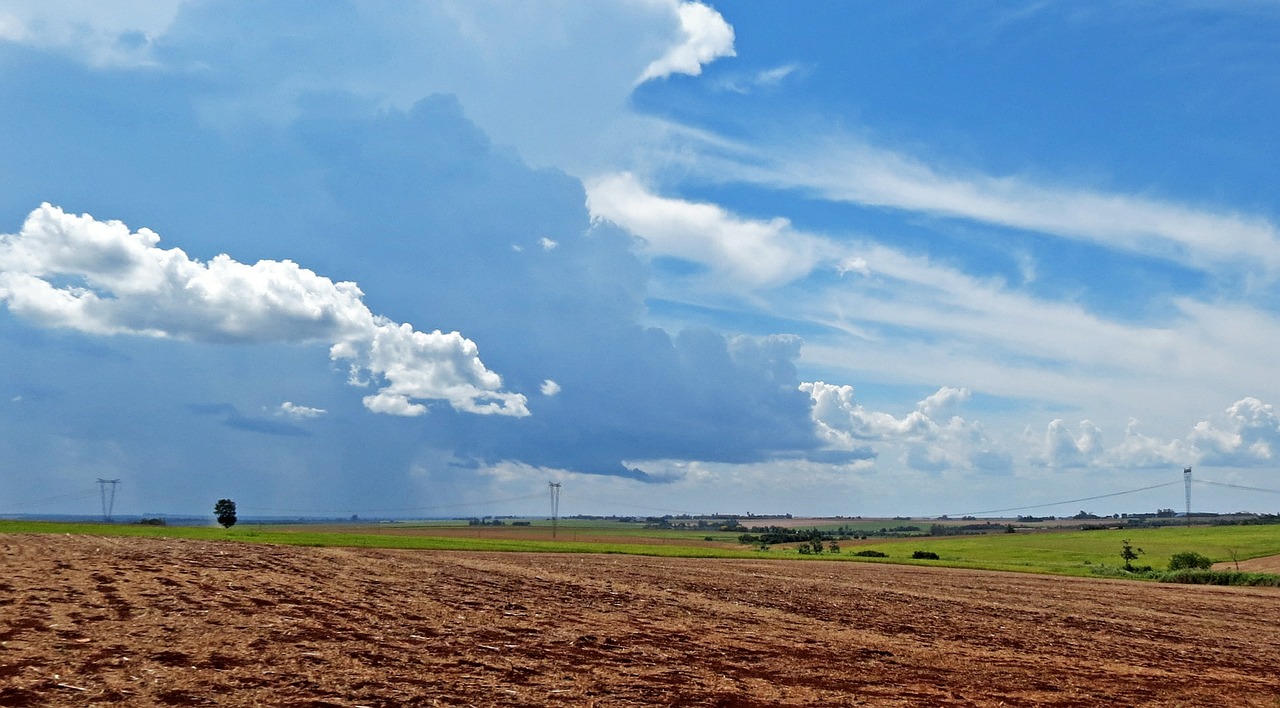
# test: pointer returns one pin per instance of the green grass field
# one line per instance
(375, 537)
(1056, 552)
(1080, 552)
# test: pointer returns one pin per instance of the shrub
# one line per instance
(925, 555)
(871, 554)
(1188, 560)
(1196, 576)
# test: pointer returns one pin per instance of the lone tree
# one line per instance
(1129, 553)
(226, 512)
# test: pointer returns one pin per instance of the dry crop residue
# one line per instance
(96, 621)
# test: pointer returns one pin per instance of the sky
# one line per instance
(416, 259)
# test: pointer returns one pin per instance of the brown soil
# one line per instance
(1266, 564)
(97, 621)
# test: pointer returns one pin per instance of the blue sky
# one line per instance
(422, 258)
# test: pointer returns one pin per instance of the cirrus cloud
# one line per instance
(753, 252)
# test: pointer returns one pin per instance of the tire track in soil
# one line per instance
(98, 621)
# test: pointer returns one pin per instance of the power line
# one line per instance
(432, 507)
(1238, 486)
(638, 506)
(70, 496)
(1068, 501)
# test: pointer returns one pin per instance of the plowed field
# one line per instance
(98, 621)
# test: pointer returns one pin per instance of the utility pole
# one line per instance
(1186, 480)
(555, 506)
(108, 502)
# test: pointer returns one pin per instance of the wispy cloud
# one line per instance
(232, 418)
(850, 170)
(290, 409)
(763, 79)
(75, 272)
(750, 252)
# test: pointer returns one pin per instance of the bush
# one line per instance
(925, 555)
(1189, 560)
(1220, 577)
(871, 554)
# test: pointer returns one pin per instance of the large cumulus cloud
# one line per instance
(63, 270)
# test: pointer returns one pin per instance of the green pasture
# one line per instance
(371, 537)
(1056, 552)
(568, 529)
(1080, 552)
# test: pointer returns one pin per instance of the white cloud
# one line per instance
(1248, 435)
(12, 29)
(750, 252)
(853, 264)
(923, 439)
(766, 78)
(849, 170)
(102, 34)
(547, 244)
(705, 38)
(293, 410)
(63, 270)
(918, 321)
(945, 398)
(841, 420)
(550, 388)
(1140, 450)
(1062, 448)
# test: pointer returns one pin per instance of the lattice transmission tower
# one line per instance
(555, 506)
(108, 500)
(1186, 481)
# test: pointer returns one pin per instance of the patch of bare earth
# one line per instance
(97, 621)
(1266, 564)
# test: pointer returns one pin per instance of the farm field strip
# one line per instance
(189, 622)
(1077, 553)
